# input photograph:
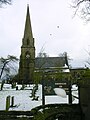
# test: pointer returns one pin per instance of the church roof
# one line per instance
(47, 62)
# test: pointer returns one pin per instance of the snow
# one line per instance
(56, 99)
(60, 92)
(23, 100)
(66, 70)
(7, 86)
(65, 66)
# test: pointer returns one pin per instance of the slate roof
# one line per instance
(46, 62)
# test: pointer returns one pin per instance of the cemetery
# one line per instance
(45, 88)
(30, 99)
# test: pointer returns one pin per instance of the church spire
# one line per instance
(27, 57)
(28, 27)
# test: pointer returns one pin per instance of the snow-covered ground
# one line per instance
(23, 101)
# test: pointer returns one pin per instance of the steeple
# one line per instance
(28, 27)
(27, 57)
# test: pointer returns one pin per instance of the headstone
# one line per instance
(7, 103)
(12, 101)
(16, 87)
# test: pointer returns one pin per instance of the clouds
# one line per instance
(72, 35)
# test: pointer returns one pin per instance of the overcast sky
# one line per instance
(53, 28)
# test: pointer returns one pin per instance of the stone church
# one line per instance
(28, 62)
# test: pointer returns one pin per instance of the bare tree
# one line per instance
(82, 8)
(5, 2)
(42, 53)
(67, 58)
(42, 57)
(6, 64)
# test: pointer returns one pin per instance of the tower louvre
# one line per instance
(27, 57)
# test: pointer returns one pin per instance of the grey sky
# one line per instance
(72, 35)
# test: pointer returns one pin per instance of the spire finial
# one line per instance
(28, 28)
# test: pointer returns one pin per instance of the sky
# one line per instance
(53, 26)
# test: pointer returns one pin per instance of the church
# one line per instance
(55, 70)
(29, 64)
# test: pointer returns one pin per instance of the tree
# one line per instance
(83, 8)
(42, 53)
(42, 58)
(40, 61)
(67, 58)
(5, 2)
(7, 63)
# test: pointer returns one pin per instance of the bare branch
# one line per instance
(83, 8)
(5, 2)
(5, 62)
(78, 3)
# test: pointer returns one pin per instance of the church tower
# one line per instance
(27, 57)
